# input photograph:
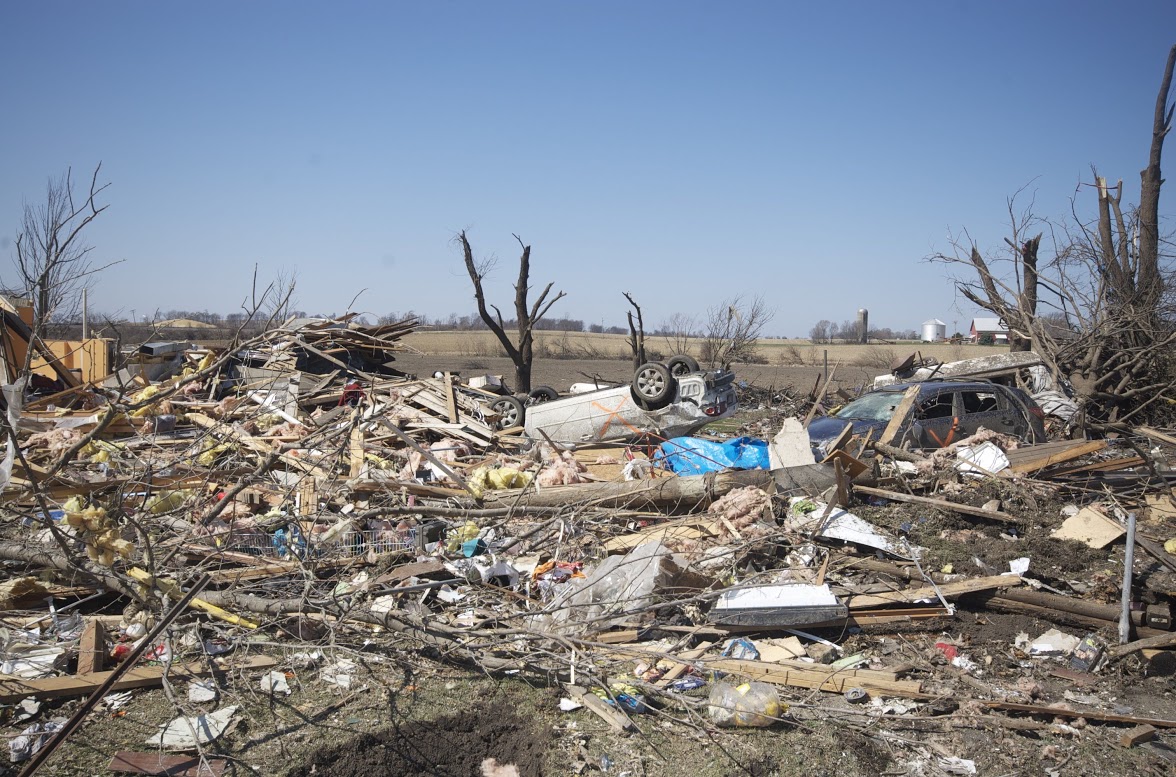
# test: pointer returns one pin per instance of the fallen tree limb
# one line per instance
(1159, 641)
(942, 504)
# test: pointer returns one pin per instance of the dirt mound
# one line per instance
(451, 746)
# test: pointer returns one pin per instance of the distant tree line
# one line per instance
(850, 331)
(474, 322)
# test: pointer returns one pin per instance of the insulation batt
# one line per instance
(564, 471)
(286, 429)
(743, 506)
(54, 440)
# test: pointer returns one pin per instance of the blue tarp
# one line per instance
(692, 456)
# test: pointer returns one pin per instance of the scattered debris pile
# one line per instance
(232, 523)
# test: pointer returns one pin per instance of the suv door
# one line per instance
(992, 409)
(936, 419)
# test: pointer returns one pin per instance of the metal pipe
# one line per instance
(1128, 564)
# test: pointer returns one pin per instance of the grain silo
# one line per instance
(863, 325)
(934, 331)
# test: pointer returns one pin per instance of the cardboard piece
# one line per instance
(786, 649)
(1090, 527)
(1160, 507)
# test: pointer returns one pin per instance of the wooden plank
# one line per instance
(808, 419)
(160, 765)
(1035, 457)
(820, 677)
(1156, 434)
(692, 528)
(678, 669)
(949, 591)
(853, 467)
(1112, 465)
(942, 504)
(355, 451)
(614, 717)
(92, 647)
(450, 400)
(140, 677)
(1138, 735)
(900, 415)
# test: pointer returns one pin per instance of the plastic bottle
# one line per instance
(748, 705)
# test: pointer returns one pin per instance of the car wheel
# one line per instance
(510, 413)
(542, 394)
(653, 386)
(682, 365)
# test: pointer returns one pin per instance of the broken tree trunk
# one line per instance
(691, 490)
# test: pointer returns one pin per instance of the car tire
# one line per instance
(682, 365)
(542, 394)
(653, 386)
(510, 413)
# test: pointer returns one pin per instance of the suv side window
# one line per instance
(938, 406)
(980, 401)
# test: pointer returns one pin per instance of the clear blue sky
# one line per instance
(683, 151)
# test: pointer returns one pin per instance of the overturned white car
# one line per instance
(664, 400)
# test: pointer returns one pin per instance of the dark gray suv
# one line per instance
(946, 411)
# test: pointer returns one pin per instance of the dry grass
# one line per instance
(585, 345)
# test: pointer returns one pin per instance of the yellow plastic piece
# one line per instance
(171, 589)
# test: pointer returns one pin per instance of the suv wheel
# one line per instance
(682, 365)
(510, 413)
(653, 386)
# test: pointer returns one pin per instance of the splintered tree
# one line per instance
(1106, 280)
(52, 258)
(527, 315)
(636, 333)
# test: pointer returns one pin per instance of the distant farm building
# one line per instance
(989, 330)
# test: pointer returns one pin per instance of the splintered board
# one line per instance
(1034, 457)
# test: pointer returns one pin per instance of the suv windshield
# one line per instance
(877, 406)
